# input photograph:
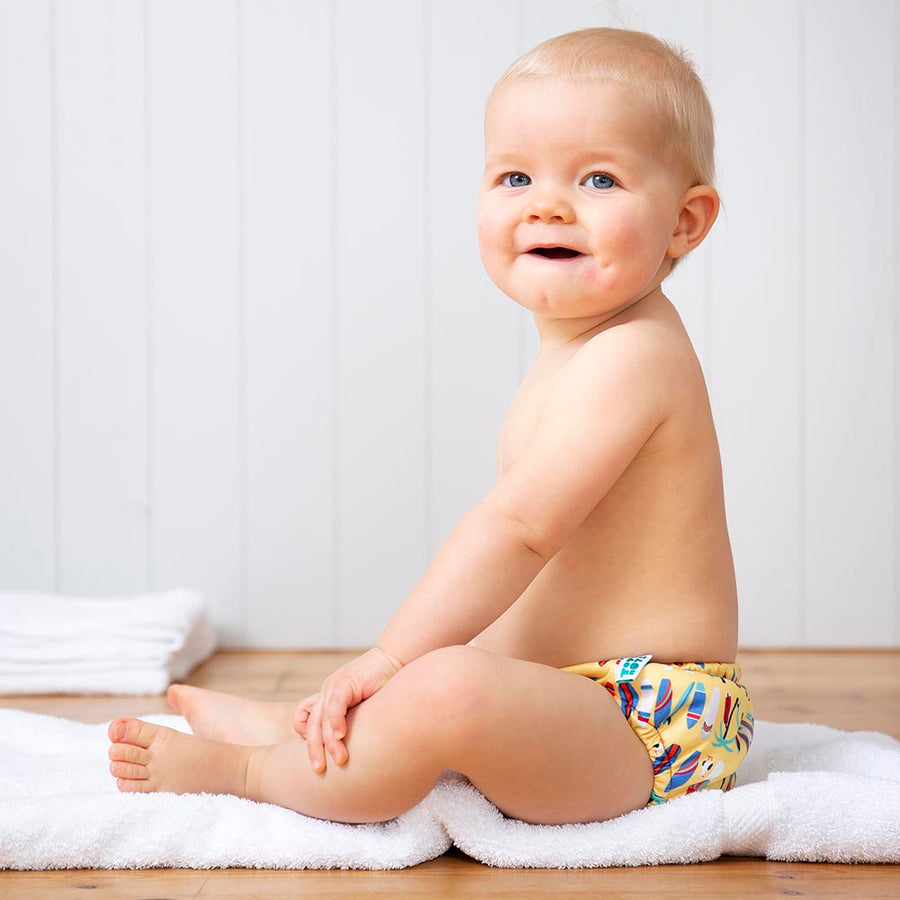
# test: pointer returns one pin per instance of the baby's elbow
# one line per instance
(543, 542)
(541, 536)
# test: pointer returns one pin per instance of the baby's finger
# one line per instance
(315, 747)
(334, 725)
(301, 714)
(334, 729)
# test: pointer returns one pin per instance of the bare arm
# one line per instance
(604, 407)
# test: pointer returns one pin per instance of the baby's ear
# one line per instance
(699, 208)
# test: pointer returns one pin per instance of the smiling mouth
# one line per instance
(555, 252)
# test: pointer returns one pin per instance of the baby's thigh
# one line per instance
(543, 745)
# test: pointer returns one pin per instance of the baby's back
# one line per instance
(650, 570)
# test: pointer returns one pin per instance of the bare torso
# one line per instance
(650, 570)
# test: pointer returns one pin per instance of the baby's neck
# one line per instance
(556, 333)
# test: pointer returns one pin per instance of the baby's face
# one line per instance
(577, 206)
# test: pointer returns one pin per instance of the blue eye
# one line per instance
(600, 181)
(516, 180)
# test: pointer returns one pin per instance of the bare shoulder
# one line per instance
(647, 355)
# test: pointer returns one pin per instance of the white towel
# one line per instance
(85, 645)
(808, 793)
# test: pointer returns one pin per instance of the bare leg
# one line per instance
(545, 746)
(377, 784)
(237, 720)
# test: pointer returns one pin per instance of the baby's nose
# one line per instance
(549, 207)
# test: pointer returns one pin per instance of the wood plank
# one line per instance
(288, 323)
(456, 875)
(755, 379)
(896, 351)
(195, 335)
(27, 284)
(787, 685)
(852, 690)
(848, 317)
(102, 298)
(381, 325)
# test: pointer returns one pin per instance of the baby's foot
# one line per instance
(147, 758)
(237, 720)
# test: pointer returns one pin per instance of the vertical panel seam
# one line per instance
(335, 331)
(427, 295)
(149, 344)
(53, 50)
(896, 312)
(241, 274)
(802, 461)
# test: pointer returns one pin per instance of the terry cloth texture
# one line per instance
(113, 645)
(805, 793)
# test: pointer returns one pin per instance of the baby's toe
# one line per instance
(129, 753)
(174, 695)
(128, 771)
(132, 731)
(133, 786)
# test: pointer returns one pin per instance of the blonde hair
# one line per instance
(660, 74)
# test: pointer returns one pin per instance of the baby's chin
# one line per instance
(592, 306)
(553, 305)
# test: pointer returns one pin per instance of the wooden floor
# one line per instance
(810, 686)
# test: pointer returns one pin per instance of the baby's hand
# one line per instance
(322, 718)
(301, 714)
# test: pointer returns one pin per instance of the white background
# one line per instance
(246, 344)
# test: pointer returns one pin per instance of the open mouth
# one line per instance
(555, 252)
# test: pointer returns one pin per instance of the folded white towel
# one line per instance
(121, 645)
(808, 793)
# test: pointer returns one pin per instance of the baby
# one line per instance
(604, 538)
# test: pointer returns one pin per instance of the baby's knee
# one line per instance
(447, 688)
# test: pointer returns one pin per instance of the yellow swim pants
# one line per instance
(695, 719)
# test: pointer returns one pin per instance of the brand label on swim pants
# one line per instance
(629, 668)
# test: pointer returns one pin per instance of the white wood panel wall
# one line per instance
(246, 343)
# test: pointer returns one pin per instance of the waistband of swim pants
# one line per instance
(607, 669)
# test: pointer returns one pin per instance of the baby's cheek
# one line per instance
(644, 248)
(492, 241)
(483, 233)
(621, 249)
(488, 228)
(634, 240)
